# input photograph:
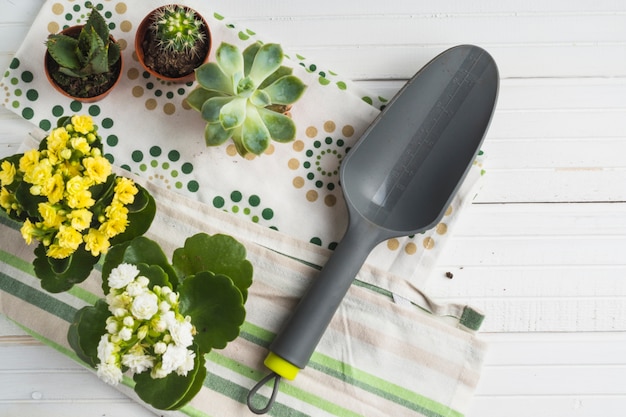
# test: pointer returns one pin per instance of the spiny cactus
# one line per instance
(244, 95)
(178, 28)
(93, 52)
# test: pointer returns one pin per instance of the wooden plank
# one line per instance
(539, 267)
(542, 219)
(75, 408)
(37, 380)
(420, 29)
(553, 185)
(576, 405)
(518, 364)
(557, 349)
(285, 8)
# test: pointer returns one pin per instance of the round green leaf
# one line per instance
(27, 200)
(140, 250)
(215, 306)
(59, 275)
(155, 274)
(103, 193)
(85, 332)
(220, 254)
(173, 391)
(140, 215)
(113, 258)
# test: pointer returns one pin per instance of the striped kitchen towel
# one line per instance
(378, 358)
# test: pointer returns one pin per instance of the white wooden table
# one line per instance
(543, 248)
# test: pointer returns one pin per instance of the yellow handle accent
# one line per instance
(281, 366)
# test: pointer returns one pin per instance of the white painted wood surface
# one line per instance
(543, 248)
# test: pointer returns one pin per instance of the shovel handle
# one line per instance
(294, 345)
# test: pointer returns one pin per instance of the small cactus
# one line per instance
(93, 52)
(178, 29)
(244, 96)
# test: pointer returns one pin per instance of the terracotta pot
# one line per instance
(74, 31)
(140, 35)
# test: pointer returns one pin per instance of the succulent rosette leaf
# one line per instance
(244, 95)
(158, 320)
(91, 53)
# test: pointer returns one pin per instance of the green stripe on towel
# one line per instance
(353, 376)
(278, 409)
(37, 298)
(384, 389)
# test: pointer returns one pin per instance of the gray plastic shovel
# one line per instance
(398, 180)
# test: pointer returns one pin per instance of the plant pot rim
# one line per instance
(140, 34)
(48, 59)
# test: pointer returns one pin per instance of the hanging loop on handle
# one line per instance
(256, 388)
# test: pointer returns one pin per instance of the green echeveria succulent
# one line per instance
(238, 96)
(178, 28)
(93, 52)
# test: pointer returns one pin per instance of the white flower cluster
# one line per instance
(145, 330)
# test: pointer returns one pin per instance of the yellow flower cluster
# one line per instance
(61, 180)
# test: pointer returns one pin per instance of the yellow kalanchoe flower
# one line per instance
(82, 124)
(54, 188)
(80, 144)
(52, 218)
(7, 173)
(29, 160)
(117, 219)
(40, 173)
(77, 185)
(78, 194)
(69, 237)
(97, 168)
(57, 140)
(6, 199)
(59, 252)
(80, 200)
(125, 190)
(28, 231)
(80, 219)
(96, 242)
(63, 177)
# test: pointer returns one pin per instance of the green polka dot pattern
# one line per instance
(148, 129)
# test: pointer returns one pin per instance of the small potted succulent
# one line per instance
(67, 198)
(84, 62)
(172, 41)
(247, 96)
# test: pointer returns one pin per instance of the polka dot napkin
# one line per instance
(149, 129)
